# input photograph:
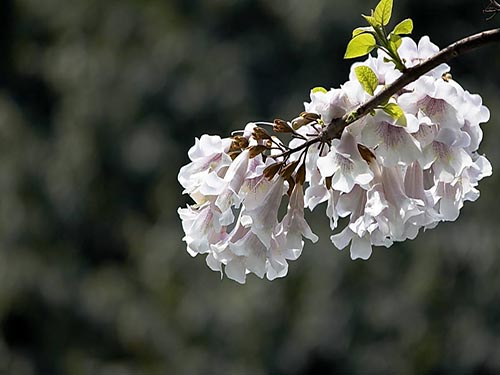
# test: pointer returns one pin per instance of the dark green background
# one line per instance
(99, 103)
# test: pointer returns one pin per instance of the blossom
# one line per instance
(393, 142)
(413, 54)
(294, 223)
(254, 242)
(208, 156)
(344, 164)
(387, 176)
(328, 104)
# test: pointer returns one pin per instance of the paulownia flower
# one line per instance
(387, 177)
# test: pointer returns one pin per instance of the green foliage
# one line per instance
(383, 12)
(367, 78)
(405, 27)
(366, 39)
(394, 42)
(395, 111)
(361, 30)
(372, 21)
(319, 89)
(360, 45)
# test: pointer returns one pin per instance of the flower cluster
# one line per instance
(388, 176)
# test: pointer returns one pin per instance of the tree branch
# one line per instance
(335, 128)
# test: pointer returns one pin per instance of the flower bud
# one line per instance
(304, 119)
(310, 116)
(291, 185)
(287, 171)
(281, 126)
(328, 182)
(299, 122)
(447, 77)
(300, 176)
(256, 150)
(260, 133)
(239, 143)
(271, 170)
(366, 153)
(234, 154)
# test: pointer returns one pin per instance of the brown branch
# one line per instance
(335, 128)
(309, 142)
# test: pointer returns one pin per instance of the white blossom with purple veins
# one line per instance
(329, 105)
(413, 54)
(394, 143)
(387, 176)
(345, 165)
(208, 156)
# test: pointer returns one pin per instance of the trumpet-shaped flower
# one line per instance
(345, 165)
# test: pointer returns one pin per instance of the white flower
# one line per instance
(393, 142)
(344, 164)
(241, 252)
(202, 228)
(414, 188)
(473, 113)
(447, 162)
(331, 104)
(384, 71)
(438, 99)
(208, 156)
(261, 208)
(361, 247)
(230, 187)
(378, 216)
(294, 224)
(413, 54)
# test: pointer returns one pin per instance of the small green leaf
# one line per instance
(395, 111)
(367, 78)
(401, 121)
(383, 12)
(361, 30)
(372, 21)
(395, 41)
(319, 89)
(404, 27)
(360, 45)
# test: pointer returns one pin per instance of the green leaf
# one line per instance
(401, 121)
(360, 45)
(319, 89)
(383, 12)
(367, 78)
(361, 30)
(395, 111)
(372, 21)
(404, 27)
(395, 41)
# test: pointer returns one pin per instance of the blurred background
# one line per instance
(99, 103)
